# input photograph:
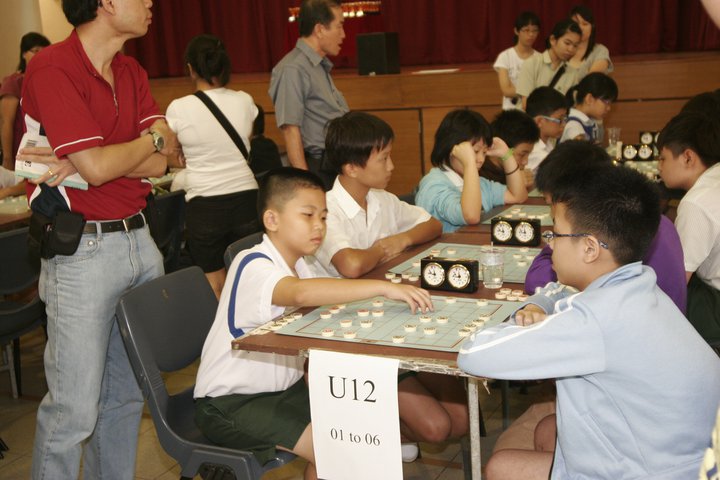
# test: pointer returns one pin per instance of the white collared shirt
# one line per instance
(349, 226)
(224, 371)
(539, 152)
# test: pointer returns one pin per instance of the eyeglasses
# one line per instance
(554, 120)
(605, 101)
(549, 236)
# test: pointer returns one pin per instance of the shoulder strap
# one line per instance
(224, 122)
(557, 75)
(589, 129)
(234, 331)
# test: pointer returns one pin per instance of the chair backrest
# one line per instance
(167, 223)
(165, 321)
(239, 245)
(17, 270)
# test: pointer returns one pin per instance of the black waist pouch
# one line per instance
(59, 235)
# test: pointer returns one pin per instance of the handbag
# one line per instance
(225, 124)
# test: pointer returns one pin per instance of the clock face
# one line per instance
(629, 152)
(434, 274)
(655, 140)
(645, 152)
(524, 232)
(458, 276)
(502, 231)
(646, 138)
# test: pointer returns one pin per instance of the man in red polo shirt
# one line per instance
(94, 106)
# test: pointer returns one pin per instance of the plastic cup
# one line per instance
(492, 263)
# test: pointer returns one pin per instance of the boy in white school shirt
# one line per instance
(366, 225)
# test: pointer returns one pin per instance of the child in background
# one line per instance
(590, 56)
(259, 401)
(453, 191)
(551, 68)
(689, 155)
(573, 160)
(591, 99)
(508, 63)
(519, 132)
(548, 108)
(637, 388)
(366, 225)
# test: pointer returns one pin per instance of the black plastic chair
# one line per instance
(239, 245)
(167, 224)
(18, 274)
(164, 323)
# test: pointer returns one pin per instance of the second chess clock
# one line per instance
(515, 231)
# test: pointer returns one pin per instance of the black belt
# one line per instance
(124, 225)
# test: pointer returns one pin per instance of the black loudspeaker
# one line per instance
(378, 53)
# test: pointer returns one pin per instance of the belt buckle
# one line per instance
(126, 224)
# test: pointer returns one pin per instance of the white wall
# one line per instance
(17, 17)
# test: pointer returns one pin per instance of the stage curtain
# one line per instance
(257, 32)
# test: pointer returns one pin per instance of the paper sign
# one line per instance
(355, 422)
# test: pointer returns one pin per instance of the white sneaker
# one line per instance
(410, 452)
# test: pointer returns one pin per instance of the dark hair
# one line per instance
(588, 16)
(514, 127)
(620, 206)
(259, 122)
(313, 12)
(569, 160)
(458, 126)
(78, 12)
(561, 28)
(208, 58)
(544, 101)
(28, 42)
(596, 84)
(525, 19)
(352, 138)
(695, 131)
(707, 103)
(280, 185)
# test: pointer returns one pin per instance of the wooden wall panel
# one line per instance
(652, 90)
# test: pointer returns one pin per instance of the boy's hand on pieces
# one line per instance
(466, 154)
(416, 298)
(498, 148)
(529, 315)
(58, 169)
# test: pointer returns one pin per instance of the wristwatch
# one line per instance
(158, 141)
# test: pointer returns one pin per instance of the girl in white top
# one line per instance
(508, 63)
(221, 188)
(592, 98)
(590, 56)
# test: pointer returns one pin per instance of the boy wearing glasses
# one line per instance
(606, 332)
(571, 160)
(548, 108)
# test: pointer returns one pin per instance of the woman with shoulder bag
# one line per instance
(213, 127)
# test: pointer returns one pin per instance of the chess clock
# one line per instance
(449, 274)
(648, 138)
(629, 152)
(645, 152)
(513, 231)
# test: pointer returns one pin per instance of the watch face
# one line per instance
(645, 152)
(502, 231)
(434, 274)
(646, 138)
(459, 276)
(524, 232)
(629, 152)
